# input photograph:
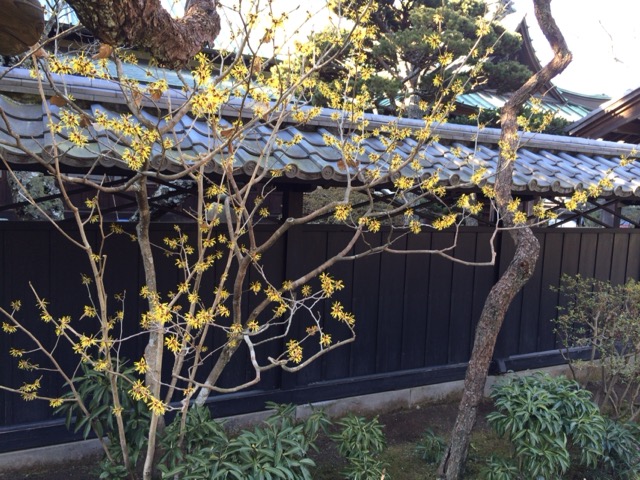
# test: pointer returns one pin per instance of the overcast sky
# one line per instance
(604, 38)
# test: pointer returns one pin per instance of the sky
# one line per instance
(605, 41)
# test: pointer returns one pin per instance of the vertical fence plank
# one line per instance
(366, 280)
(551, 263)
(604, 254)
(414, 316)
(619, 257)
(530, 305)
(439, 305)
(462, 285)
(390, 310)
(336, 364)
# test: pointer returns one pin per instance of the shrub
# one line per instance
(621, 455)
(543, 416)
(99, 417)
(431, 447)
(499, 469)
(277, 449)
(605, 319)
(360, 441)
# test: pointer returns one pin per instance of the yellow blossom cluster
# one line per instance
(294, 350)
(467, 202)
(445, 221)
(342, 211)
(329, 285)
(372, 224)
(29, 391)
(337, 312)
(140, 392)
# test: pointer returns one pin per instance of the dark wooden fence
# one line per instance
(415, 314)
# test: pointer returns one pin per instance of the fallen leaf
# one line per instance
(104, 51)
(136, 97)
(156, 94)
(256, 65)
(85, 121)
(40, 53)
(227, 132)
(58, 101)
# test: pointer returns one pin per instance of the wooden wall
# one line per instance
(415, 314)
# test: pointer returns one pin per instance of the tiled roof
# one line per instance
(493, 101)
(551, 165)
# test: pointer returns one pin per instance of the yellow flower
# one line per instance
(329, 285)
(415, 226)
(156, 406)
(172, 343)
(141, 366)
(139, 391)
(253, 326)
(55, 402)
(294, 350)
(8, 328)
(444, 221)
(513, 205)
(519, 218)
(342, 211)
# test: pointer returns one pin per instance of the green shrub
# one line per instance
(359, 437)
(605, 319)
(95, 391)
(360, 441)
(621, 455)
(543, 416)
(499, 469)
(277, 449)
(431, 447)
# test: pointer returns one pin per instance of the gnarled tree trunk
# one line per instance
(147, 25)
(523, 263)
(21, 25)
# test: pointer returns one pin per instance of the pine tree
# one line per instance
(425, 46)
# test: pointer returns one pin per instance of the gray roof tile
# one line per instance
(556, 165)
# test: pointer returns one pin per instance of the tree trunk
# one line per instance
(21, 25)
(523, 263)
(147, 25)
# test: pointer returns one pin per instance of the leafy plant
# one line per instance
(94, 391)
(621, 455)
(543, 416)
(275, 450)
(360, 441)
(365, 467)
(498, 468)
(359, 437)
(431, 447)
(605, 318)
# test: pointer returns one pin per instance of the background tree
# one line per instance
(424, 47)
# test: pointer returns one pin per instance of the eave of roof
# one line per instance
(548, 164)
(610, 116)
